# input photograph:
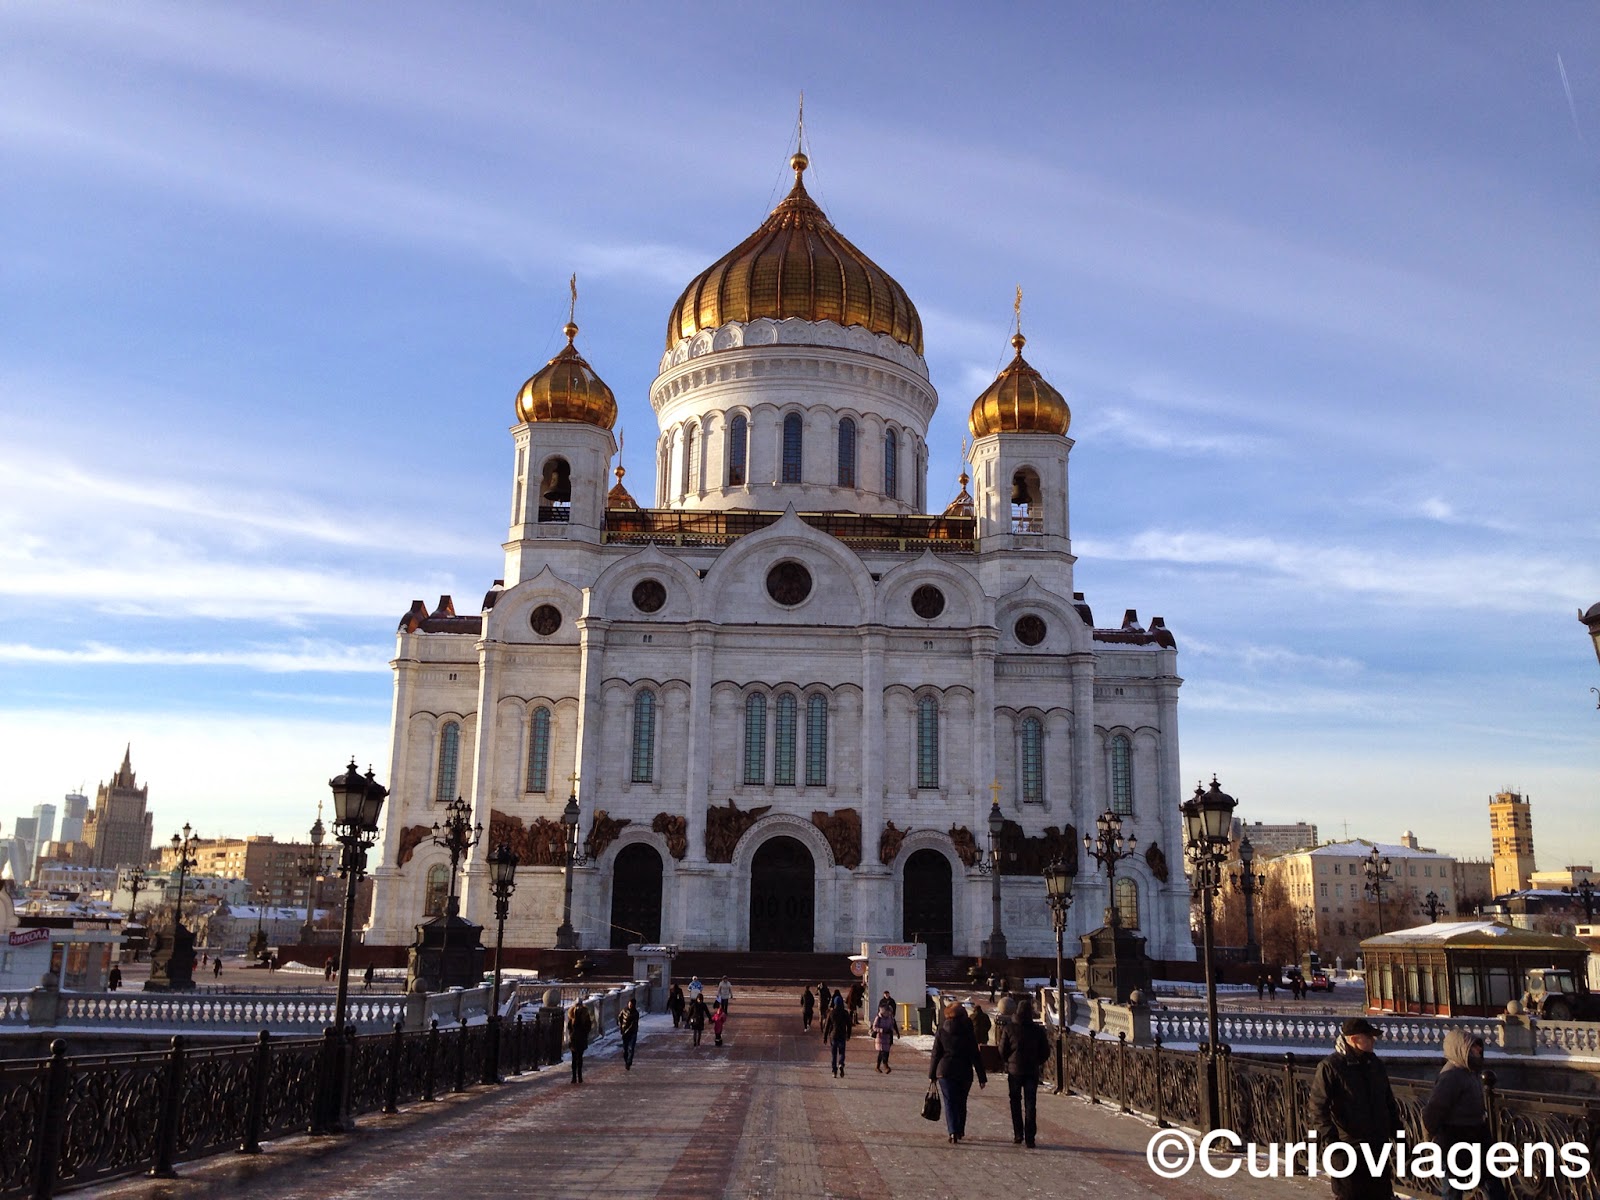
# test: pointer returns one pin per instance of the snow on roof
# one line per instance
(1362, 848)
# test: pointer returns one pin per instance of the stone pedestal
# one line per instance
(448, 952)
(172, 961)
(1113, 964)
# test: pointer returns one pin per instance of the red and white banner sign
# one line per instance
(27, 937)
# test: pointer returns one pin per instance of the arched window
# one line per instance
(1032, 761)
(1127, 903)
(847, 453)
(436, 892)
(688, 460)
(555, 490)
(784, 741)
(817, 741)
(792, 430)
(738, 443)
(644, 736)
(891, 465)
(444, 789)
(755, 739)
(1121, 775)
(539, 750)
(927, 742)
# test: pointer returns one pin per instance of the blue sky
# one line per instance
(1318, 282)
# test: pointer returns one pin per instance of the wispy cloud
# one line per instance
(1144, 431)
(298, 656)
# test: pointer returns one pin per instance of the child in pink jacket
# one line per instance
(719, 1018)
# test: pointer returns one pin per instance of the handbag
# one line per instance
(931, 1107)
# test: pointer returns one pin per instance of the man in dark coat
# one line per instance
(1351, 1102)
(953, 1063)
(836, 1032)
(697, 1017)
(580, 1023)
(675, 1005)
(808, 1005)
(1455, 1112)
(628, 1027)
(1023, 1051)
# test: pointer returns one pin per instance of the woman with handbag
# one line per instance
(952, 1065)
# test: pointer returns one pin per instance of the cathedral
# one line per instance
(785, 700)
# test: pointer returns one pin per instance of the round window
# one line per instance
(1030, 630)
(649, 595)
(927, 602)
(546, 619)
(789, 583)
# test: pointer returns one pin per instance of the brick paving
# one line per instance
(761, 1116)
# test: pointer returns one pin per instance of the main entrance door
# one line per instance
(782, 893)
(926, 908)
(636, 896)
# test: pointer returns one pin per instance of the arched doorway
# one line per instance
(782, 895)
(926, 909)
(636, 896)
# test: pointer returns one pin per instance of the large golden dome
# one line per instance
(567, 389)
(1019, 401)
(796, 265)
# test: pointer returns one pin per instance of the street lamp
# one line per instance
(566, 936)
(183, 848)
(1431, 906)
(1207, 822)
(502, 882)
(995, 948)
(263, 894)
(1592, 620)
(1108, 847)
(312, 868)
(1058, 876)
(1378, 870)
(136, 882)
(357, 802)
(1584, 891)
(1246, 882)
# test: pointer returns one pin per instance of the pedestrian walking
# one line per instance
(366, 977)
(824, 1006)
(884, 1031)
(1455, 1113)
(1272, 986)
(1351, 1102)
(858, 993)
(216, 967)
(628, 1027)
(580, 1023)
(675, 1005)
(697, 1017)
(994, 984)
(981, 1024)
(953, 1063)
(114, 978)
(719, 1018)
(725, 993)
(836, 1032)
(1261, 987)
(696, 988)
(808, 1005)
(1023, 1051)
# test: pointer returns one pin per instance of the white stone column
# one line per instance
(1086, 804)
(591, 731)
(691, 925)
(983, 752)
(474, 871)
(1166, 941)
(873, 883)
(386, 924)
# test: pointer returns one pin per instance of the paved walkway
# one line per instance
(760, 1116)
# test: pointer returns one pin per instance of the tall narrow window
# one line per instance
(1032, 761)
(738, 441)
(891, 465)
(817, 741)
(783, 742)
(436, 890)
(1121, 775)
(539, 750)
(1128, 903)
(688, 460)
(847, 453)
(444, 789)
(644, 736)
(755, 739)
(927, 742)
(792, 430)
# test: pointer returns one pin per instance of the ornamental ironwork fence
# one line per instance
(1270, 1102)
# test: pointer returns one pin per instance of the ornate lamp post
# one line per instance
(995, 947)
(1207, 821)
(263, 894)
(1592, 620)
(1431, 906)
(183, 850)
(566, 936)
(357, 803)
(457, 834)
(136, 882)
(312, 868)
(502, 882)
(1246, 882)
(1058, 877)
(1108, 848)
(1584, 891)
(1378, 869)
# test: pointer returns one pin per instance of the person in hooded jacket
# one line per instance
(697, 1016)
(1352, 1102)
(675, 1005)
(952, 1064)
(1455, 1112)
(808, 1005)
(836, 1032)
(1023, 1051)
(884, 1031)
(580, 1023)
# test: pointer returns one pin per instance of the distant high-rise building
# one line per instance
(25, 848)
(119, 830)
(44, 817)
(74, 808)
(1511, 834)
(1268, 840)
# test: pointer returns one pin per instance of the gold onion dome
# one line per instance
(796, 265)
(1019, 401)
(567, 389)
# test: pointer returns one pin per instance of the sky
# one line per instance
(1319, 283)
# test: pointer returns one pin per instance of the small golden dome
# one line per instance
(796, 265)
(618, 496)
(1019, 401)
(567, 389)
